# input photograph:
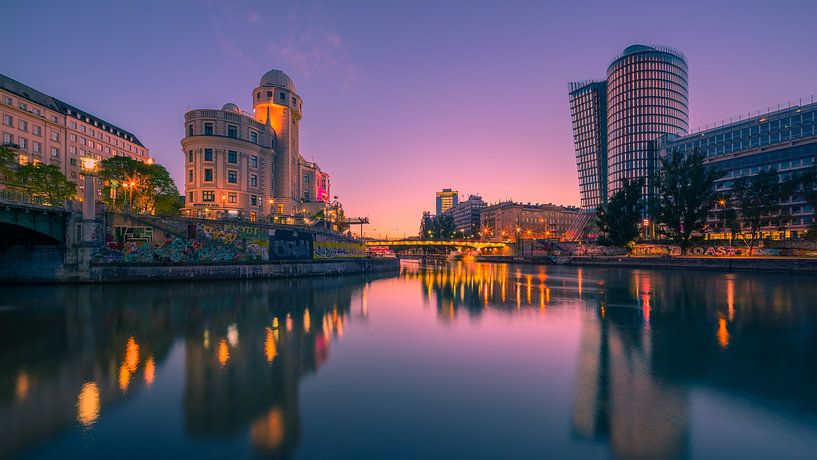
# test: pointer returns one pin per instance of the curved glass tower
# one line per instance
(647, 97)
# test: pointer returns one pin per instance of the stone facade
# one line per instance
(44, 129)
(249, 165)
(509, 221)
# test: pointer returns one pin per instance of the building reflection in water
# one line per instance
(71, 352)
(650, 338)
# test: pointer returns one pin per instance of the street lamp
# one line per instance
(646, 224)
(89, 198)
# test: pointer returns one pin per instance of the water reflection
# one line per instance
(72, 353)
(638, 349)
(653, 338)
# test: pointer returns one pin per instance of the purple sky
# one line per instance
(404, 98)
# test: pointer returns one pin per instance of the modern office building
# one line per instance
(509, 221)
(446, 199)
(588, 110)
(43, 129)
(646, 97)
(783, 138)
(249, 164)
(466, 214)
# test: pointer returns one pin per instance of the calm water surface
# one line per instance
(449, 361)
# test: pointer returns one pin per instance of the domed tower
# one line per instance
(647, 97)
(276, 104)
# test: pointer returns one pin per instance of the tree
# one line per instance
(437, 227)
(138, 186)
(46, 182)
(8, 162)
(686, 189)
(804, 185)
(618, 220)
(757, 201)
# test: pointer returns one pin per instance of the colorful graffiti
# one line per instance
(656, 250)
(252, 241)
(338, 249)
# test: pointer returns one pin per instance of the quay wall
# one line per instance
(770, 264)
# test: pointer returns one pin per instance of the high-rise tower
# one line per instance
(617, 121)
(588, 111)
(647, 97)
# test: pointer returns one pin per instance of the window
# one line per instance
(232, 177)
(253, 161)
(208, 175)
(37, 130)
(190, 130)
(8, 138)
(23, 143)
(6, 100)
(254, 200)
(283, 95)
(232, 198)
(232, 156)
(253, 137)
(306, 195)
(294, 101)
(280, 209)
(258, 96)
(190, 176)
(208, 129)
(73, 137)
(253, 216)
(55, 152)
(208, 195)
(82, 140)
(23, 125)
(189, 156)
(35, 147)
(232, 131)
(269, 94)
(55, 136)
(190, 197)
(253, 180)
(208, 154)
(8, 120)
(73, 161)
(306, 178)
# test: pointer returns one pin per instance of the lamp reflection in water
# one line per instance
(223, 353)
(150, 371)
(22, 385)
(88, 404)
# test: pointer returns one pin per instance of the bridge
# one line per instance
(29, 223)
(463, 244)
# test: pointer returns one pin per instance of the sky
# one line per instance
(402, 99)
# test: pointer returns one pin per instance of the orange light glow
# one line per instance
(270, 347)
(132, 355)
(124, 378)
(150, 371)
(307, 321)
(22, 386)
(223, 353)
(267, 432)
(88, 404)
(723, 333)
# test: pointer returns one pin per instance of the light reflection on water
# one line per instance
(445, 361)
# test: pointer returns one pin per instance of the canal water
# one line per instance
(472, 361)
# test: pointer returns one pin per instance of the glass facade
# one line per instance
(647, 97)
(588, 111)
(784, 140)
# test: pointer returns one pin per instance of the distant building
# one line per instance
(783, 139)
(507, 221)
(44, 129)
(446, 199)
(644, 97)
(466, 214)
(249, 164)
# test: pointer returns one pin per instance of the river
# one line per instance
(460, 360)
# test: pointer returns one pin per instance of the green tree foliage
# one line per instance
(138, 187)
(437, 227)
(686, 189)
(618, 220)
(804, 185)
(756, 199)
(45, 182)
(8, 162)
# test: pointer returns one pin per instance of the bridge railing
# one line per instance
(21, 197)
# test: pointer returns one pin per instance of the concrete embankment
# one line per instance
(770, 264)
(27, 265)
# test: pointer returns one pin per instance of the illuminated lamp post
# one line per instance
(646, 224)
(89, 197)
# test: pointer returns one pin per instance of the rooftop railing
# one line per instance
(793, 103)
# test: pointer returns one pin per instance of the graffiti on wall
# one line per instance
(338, 249)
(125, 233)
(249, 240)
(290, 245)
(656, 250)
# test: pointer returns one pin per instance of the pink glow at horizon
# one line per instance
(404, 99)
